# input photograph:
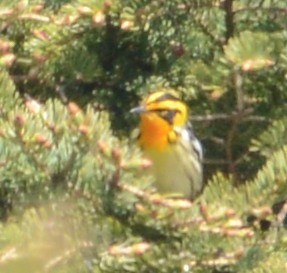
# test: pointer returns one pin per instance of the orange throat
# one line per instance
(153, 132)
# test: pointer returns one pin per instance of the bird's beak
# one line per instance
(139, 110)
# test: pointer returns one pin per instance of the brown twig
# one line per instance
(235, 122)
(229, 19)
(214, 117)
(157, 199)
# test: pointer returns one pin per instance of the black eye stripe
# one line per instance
(167, 114)
(166, 110)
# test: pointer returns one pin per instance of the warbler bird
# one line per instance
(167, 139)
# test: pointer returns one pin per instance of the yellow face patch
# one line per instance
(161, 112)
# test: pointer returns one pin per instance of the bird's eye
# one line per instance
(164, 113)
(168, 115)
